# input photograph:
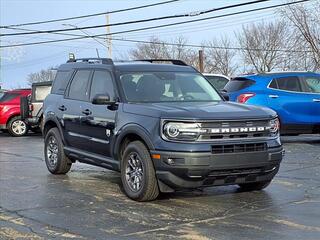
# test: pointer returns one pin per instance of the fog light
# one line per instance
(170, 161)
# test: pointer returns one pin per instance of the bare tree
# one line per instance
(158, 48)
(219, 57)
(41, 76)
(305, 35)
(261, 44)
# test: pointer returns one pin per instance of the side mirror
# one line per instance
(225, 96)
(102, 99)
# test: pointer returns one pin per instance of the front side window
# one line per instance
(313, 84)
(79, 85)
(101, 84)
(167, 87)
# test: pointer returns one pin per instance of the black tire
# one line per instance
(256, 186)
(17, 127)
(56, 160)
(148, 188)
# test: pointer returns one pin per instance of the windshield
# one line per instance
(167, 87)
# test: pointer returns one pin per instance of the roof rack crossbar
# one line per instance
(103, 60)
(173, 61)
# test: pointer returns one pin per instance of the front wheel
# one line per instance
(256, 186)
(138, 174)
(17, 127)
(56, 160)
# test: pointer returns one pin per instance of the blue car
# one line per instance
(295, 96)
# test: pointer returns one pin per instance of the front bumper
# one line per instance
(179, 170)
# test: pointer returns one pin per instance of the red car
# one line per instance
(10, 118)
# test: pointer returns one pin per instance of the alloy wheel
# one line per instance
(134, 172)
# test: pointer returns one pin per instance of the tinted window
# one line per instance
(289, 84)
(313, 84)
(217, 81)
(79, 85)
(101, 84)
(8, 97)
(273, 84)
(60, 82)
(237, 84)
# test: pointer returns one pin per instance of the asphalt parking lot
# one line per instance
(88, 203)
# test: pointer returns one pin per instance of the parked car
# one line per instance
(162, 126)
(10, 118)
(295, 96)
(32, 106)
(217, 80)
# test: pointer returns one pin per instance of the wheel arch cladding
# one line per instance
(129, 133)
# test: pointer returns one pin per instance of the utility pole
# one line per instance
(108, 39)
(201, 67)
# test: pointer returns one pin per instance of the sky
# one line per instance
(18, 62)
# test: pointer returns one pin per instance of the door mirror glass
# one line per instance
(102, 99)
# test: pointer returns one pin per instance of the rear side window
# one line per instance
(79, 85)
(286, 83)
(237, 84)
(60, 82)
(8, 97)
(101, 84)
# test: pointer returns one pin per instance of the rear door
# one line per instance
(289, 101)
(76, 96)
(99, 120)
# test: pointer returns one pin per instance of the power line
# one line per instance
(152, 27)
(192, 14)
(89, 15)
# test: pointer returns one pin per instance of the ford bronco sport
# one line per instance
(162, 126)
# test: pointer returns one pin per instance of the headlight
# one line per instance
(274, 125)
(181, 131)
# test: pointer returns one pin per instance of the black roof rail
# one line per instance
(103, 60)
(173, 61)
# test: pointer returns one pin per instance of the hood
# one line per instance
(203, 110)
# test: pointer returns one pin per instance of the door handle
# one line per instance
(62, 108)
(87, 112)
(273, 96)
(316, 100)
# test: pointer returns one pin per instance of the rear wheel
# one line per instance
(138, 174)
(256, 186)
(17, 127)
(56, 160)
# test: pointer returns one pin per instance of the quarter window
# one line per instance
(101, 84)
(79, 85)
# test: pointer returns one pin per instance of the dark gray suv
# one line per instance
(162, 126)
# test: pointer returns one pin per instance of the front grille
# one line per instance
(238, 148)
(234, 130)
